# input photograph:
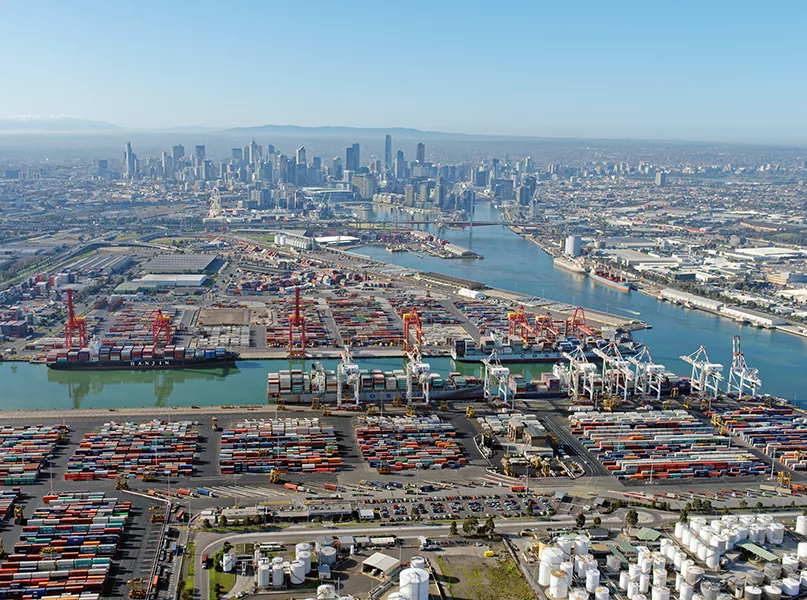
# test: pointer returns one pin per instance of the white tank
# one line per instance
(564, 545)
(679, 529)
(753, 592)
(659, 561)
(635, 570)
(660, 593)
(720, 542)
(393, 596)
(801, 550)
(804, 578)
(414, 584)
(712, 558)
(776, 533)
(305, 557)
(790, 562)
(302, 547)
(612, 563)
(644, 583)
(790, 586)
(693, 575)
(417, 562)
(633, 589)
(297, 572)
(678, 558)
(646, 563)
(558, 587)
(659, 577)
(716, 525)
(685, 593)
(326, 592)
(228, 562)
(772, 592)
(801, 525)
(695, 524)
(264, 573)
(742, 533)
(543, 572)
(702, 552)
(670, 551)
(592, 580)
(601, 593)
(694, 545)
(581, 544)
(640, 596)
(321, 542)
(569, 569)
(578, 594)
(686, 537)
(706, 534)
(580, 567)
(277, 561)
(327, 556)
(624, 579)
(278, 575)
(753, 536)
(678, 579)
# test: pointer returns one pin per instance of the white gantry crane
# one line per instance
(741, 376)
(496, 381)
(706, 375)
(617, 376)
(582, 375)
(418, 373)
(347, 374)
(648, 376)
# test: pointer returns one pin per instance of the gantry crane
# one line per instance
(706, 375)
(648, 376)
(161, 325)
(76, 326)
(418, 373)
(547, 328)
(496, 380)
(519, 326)
(137, 588)
(157, 514)
(616, 373)
(296, 321)
(347, 374)
(582, 375)
(411, 321)
(741, 376)
(577, 326)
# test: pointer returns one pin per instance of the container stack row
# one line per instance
(401, 443)
(277, 332)
(295, 445)
(778, 431)
(133, 449)
(363, 322)
(228, 335)
(430, 311)
(132, 326)
(661, 444)
(66, 548)
(24, 451)
(8, 498)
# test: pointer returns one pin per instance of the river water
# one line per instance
(510, 263)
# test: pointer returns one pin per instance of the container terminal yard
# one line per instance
(607, 476)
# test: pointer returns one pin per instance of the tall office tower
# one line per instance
(237, 154)
(207, 169)
(388, 151)
(103, 169)
(353, 157)
(661, 178)
(440, 192)
(128, 162)
(301, 156)
(199, 154)
(420, 156)
(167, 165)
(400, 165)
(179, 153)
(337, 169)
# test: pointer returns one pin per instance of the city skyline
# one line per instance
(630, 72)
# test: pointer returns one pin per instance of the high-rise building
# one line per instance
(364, 185)
(337, 168)
(661, 178)
(574, 245)
(167, 165)
(179, 153)
(129, 162)
(199, 154)
(400, 165)
(207, 169)
(237, 154)
(103, 169)
(420, 155)
(301, 156)
(388, 151)
(353, 157)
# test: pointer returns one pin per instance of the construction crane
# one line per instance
(519, 326)
(582, 375)
(76, 326)
(648, 376)
(161, 324)
(617, 376)
(706, 375)
(578, 326)
(783, 478)
(418, 373)
(495, 382)
(741, 376)
(296, 321)
(148, 474)
(347, 374)
(137, 588)
(411, 321)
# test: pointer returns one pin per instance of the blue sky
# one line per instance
(681, 70)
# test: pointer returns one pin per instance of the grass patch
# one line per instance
(226, 580)
(477, 578)
(190, 564)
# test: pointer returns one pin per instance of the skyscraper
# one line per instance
(353, 157)
(128, 162)
(301, 155)
(254, 152)
(661, 178)
(179, 153)
(388, 151)
(421, 153)
(167, 165)
(400, 165)
(199, 154)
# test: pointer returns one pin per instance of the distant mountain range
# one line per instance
(341, 132)
(34, 124)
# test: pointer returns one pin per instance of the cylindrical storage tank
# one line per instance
(640, 596)
(305, 558)
(327, 556)
(716, 526)
(264, 573)
(543, 572)
(568, 568)
(564, 545)
(790, 563)
(753, 535)
(302, 547)
(678, 579)
(693, 575)
(678, 558)
(755, 578)
(581, 544)
(557, 584)
(646, 564)
(660, 592)
(702, 552)
(686, 537)
(742, 533)
(706, 535)
(417, 562)
(679, 529)
(580, 567)
(578, 594)
(635, 570)
(694, 545)
(659, 561)
(772, 592)
(804, 578)
(776, 533)
(278, 575)
(414, 584)
(624, 579)
(753, 592)
(685, 593)
(685, 565)
(326, 592)
(633, 589)
(321, 542)
(297, 572)
(659, 577)
(644, 583)
(612, 563)
(772, 572)
(709, 589)
(228, 562)
(790, 586)
(695, 524)
(801, 525)
(712, 558)
(277, 561)
(592, 580)
(720, 542)
(601, 593)
(801, 549)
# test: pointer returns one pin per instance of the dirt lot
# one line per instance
(224, 316)
(466, 574)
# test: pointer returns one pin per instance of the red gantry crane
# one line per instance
(296, 320)
(547, 328)
(520, 326)
(577, 325)
(411, 320)
(75, 325)
(161, 324)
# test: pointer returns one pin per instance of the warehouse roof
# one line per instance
(180, 263)
(759, 552)
(382, 562)
(648, 535)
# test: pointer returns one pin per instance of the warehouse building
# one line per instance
(691, 299)
(181, 263)
(752, 316)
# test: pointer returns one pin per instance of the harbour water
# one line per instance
(510, 262)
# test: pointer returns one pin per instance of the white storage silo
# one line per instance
(568, 568)
(801, 525)
(602, 593)
(644, 583)
(302, 547)
(264, 573)
(544, 572)
(624, 579)
(633, 589)
(581, 544)
(326, 592)
(659, 576)
(685, 593)
(612, 563)
(578, 594)
(660, 592)
(776, 533)
(304, 556)
(278, 575)
(558, 587)
(228, 562)
(297, 572)
(679, 529)
(790, 586)
(414, 584)
(417, 562)
(327, 556)
(592, 580)
(564, 545)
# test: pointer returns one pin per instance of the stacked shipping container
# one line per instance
(363, 322)
(25, 450)
(778, 431)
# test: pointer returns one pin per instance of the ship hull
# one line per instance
(568, 266)
(143, 365)
(367, 396)
(622, 287)
(525, 357)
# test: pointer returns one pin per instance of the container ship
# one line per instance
(614, 281)
(512, 349)
(569, 264)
